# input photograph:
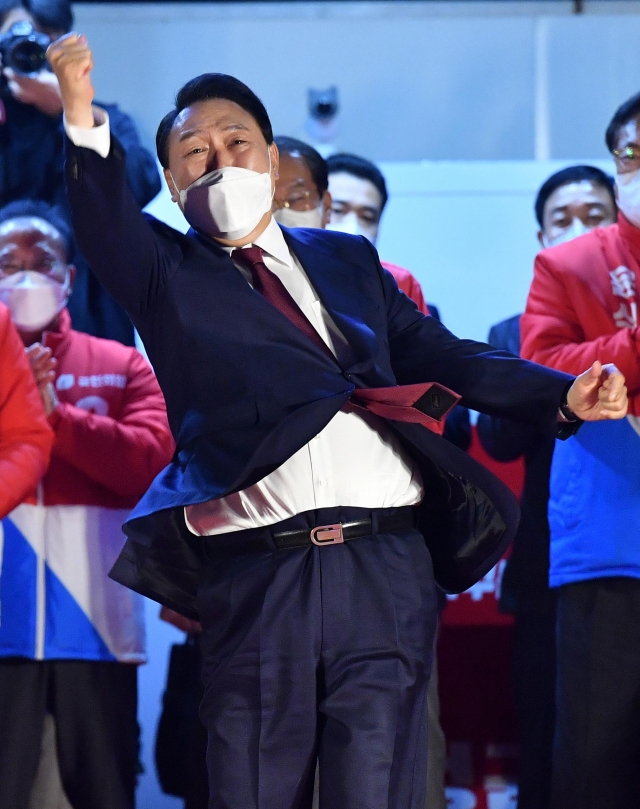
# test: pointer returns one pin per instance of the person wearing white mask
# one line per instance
(290, 363)
(574, 201)
(301, 198)
(70, 638)
(569, 203)
(582, 306)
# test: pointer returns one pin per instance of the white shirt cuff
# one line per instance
(97, 137)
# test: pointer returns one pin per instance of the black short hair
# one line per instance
(204, 88)
(572, 174)
(359, 167)
(38, 209)
(314, 161)
(625, 113)
(50, 15)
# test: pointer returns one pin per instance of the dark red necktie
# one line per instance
(425, 403)
(271, 287)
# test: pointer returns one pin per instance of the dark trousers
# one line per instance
(534, 674)
(596, 761)
(94, 705)
(319, 652)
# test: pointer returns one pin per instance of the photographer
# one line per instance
(31, 148)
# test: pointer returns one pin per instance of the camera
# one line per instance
(323, 104)
(24, 49)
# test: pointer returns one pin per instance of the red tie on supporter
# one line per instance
(425, 403)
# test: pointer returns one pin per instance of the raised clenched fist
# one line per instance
(71, 60)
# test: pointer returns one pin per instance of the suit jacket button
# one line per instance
(348, 377)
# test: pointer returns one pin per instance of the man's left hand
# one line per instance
(41, 91)
(599, 394)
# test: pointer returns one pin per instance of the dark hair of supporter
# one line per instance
(359, 167)
(36, 209)
(314, 161)
(625, 113)
(49, 15)
(572, 174)
(204, 88)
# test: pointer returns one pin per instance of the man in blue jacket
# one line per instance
(570, 202)
(295, 517)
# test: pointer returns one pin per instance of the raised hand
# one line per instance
(43, 365)
(71, 60)
(41, 91)
(599, 394)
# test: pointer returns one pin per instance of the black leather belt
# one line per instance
(380, 521)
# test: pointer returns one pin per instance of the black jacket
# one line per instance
(525, 584)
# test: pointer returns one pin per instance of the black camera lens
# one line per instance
(27, 56)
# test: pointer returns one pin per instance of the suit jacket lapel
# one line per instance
(332, 279)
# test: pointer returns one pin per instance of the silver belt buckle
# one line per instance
(327, 535)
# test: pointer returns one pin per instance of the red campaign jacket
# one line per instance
(111, 431)
(25, 437)
(575, 309)
(408, 284)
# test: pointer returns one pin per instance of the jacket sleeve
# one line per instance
(129, 256)
(123, 454)
(142, 171)
(552, 335)
(25, 436)
(491, 381)
(415, 293)
(502, 439)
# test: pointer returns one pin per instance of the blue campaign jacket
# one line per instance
(594, 506)
(245, 389)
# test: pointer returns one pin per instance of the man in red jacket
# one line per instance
(70, 637)
(25, 436)
(582, 307)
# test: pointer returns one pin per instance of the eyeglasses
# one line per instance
(298, 201)
(45, 266)
(628, 158)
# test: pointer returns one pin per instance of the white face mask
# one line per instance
(629, 195)
(351, 225)
(300, 219)
(33, 299)
(227, 203)
(577, 229)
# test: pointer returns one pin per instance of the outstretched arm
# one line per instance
(493, 382)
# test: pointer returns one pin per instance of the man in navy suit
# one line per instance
(307, 505)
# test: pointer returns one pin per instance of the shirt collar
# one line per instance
(271, 240)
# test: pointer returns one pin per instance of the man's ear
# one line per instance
(326, 208)
(275, 161)
(541, 238)
(72, 277)
(175, 196)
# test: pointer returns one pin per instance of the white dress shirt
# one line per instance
(356, 460)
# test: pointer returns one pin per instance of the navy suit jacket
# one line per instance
(525, 584)
(245, 389)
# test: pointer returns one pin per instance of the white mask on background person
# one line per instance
(350, 224)
(300, 219)
(33, 299)
(227, 203)
(629, 195)
(578, 228)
